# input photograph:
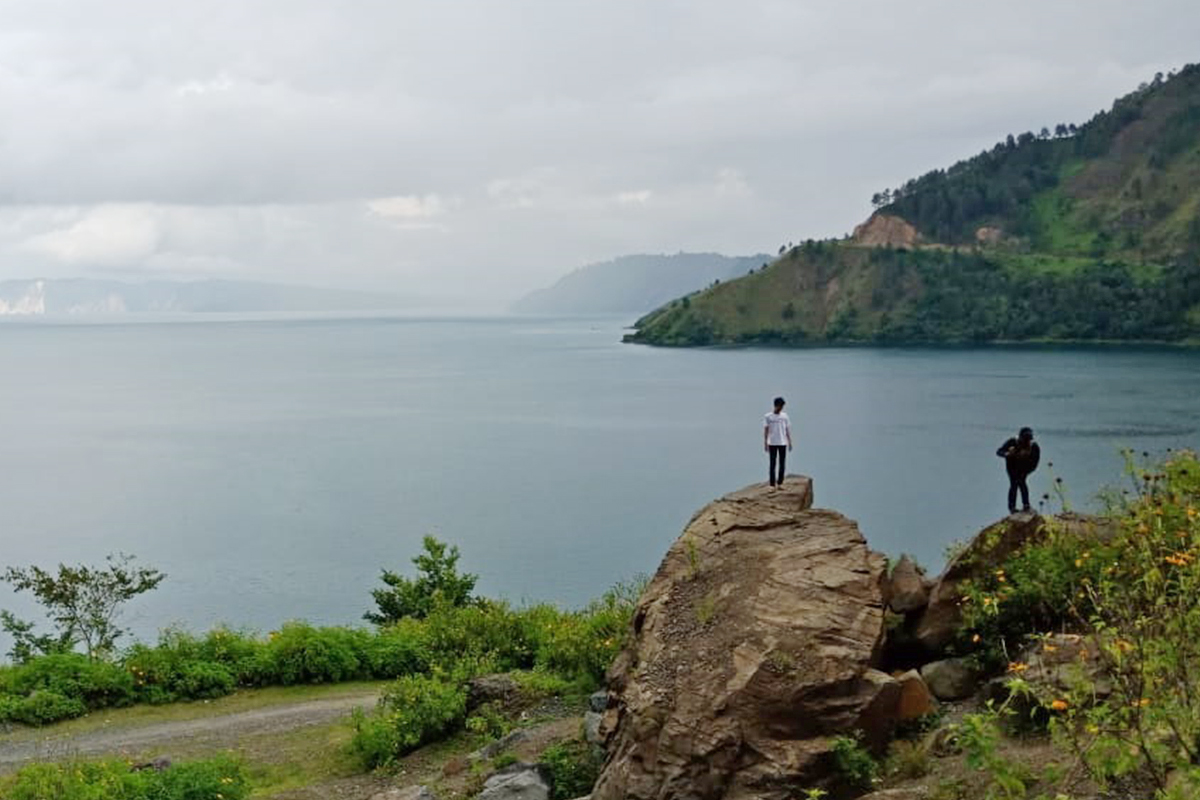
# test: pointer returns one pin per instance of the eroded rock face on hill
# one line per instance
(886, 230)
(754, 645)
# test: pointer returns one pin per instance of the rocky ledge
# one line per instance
(761, 638)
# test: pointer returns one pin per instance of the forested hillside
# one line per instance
(1088, 232)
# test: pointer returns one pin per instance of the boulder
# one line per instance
(951, 679)
(518, 782)
(405, 793)
(907, 793)
(916, 701)
(937, 625)
(498, 688)
(906, 587)
(591, 728)
(753, 646)
(501, 745)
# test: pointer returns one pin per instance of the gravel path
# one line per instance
(215, 732)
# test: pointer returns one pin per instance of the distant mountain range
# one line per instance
(85, 296)
(1076, 233)
(634, 284)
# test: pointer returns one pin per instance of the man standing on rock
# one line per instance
(1021, 456)
(777, 440)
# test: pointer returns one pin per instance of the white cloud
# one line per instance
(107, 235)
(310, 140)
(639, 197)
(411, 212)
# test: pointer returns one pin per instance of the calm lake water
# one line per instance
(272, 467)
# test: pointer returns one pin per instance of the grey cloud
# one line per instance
(475, 147)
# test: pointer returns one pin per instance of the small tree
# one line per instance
(438, 581)
(84, 602)
(27, 644)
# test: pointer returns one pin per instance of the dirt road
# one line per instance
(212, 733)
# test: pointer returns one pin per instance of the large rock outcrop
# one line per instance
(935, 626)
(886, 230)
(754, 644)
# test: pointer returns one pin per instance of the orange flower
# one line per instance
(1018, 667)
(1059, 705)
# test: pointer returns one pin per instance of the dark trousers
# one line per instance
(778, 454)
(1016, 482)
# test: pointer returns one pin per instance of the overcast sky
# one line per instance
(476, 149)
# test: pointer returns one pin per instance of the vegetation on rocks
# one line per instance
(1124, 703)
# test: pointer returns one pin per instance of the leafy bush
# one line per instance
(116, 780)
(438, 583)
(574, 767)
(853, 762)
(1138, 710)
(95, 684)
(417, 709)
(43, 707)
(204, 679)
(300, 653)
(1036, 589)
(401, 649)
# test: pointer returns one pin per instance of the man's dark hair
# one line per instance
(1026, 434)
(779, 401)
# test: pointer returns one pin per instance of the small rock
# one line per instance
(908, 592)
(405, 793)
(499, 746)
(598, 702)
(158, 765)
(498, 688)
(591, 728)
(455, 766)
(916, 700)
(518, 782)
(952, 679)
(907, 793)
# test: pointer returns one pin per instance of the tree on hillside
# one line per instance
(84, 603)
(438, 581)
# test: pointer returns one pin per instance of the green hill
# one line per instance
(1074, 233)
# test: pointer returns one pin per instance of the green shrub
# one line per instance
(399, 650)
(44, 706)
(1036, 589)
(300, 653)
(1137, 711)
(415, 710)
(95, 684)
(574, 767)
(853, 762)
(116, 780)
(204, 679)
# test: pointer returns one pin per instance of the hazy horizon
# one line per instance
(470, 154)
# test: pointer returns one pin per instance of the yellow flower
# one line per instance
(1049, 648)
(1018, 667)
(1059, 705)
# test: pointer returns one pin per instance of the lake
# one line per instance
(272, 467)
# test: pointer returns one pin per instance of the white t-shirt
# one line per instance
(778, 426)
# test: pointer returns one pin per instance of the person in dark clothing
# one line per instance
(777, 440)
(1021, 456)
